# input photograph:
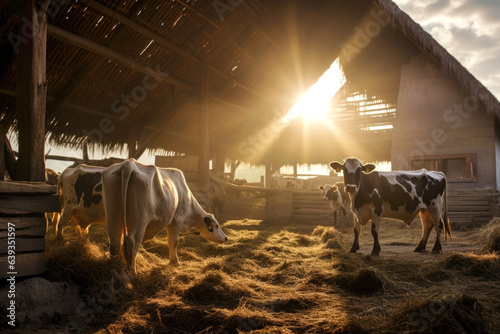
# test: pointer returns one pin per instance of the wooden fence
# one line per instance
(23, 225)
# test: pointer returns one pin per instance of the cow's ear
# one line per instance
(321, 188)
(368, 168)
(336, 166)
(208, 222)
(334, 188)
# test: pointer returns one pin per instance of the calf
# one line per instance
(80, 196)
(397, 195)
(337, 197)
(142, 200)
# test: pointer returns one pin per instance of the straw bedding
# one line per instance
(281, 279)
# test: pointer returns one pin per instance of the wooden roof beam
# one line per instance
(82, 73)
(77, 107)
(140, 29)
(172, 47)
(115, 56)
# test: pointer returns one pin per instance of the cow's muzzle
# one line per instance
(350, 188)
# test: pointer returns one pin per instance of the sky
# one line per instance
(468, 29)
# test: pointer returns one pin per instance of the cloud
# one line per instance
(468, 29)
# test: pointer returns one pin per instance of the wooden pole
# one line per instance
(31, 92)
(218, 164)
(132, 144)
(204, 143)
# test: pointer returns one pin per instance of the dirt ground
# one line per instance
(282, 277)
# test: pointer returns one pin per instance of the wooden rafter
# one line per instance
(116, 56)
(174, 48)
(82, 73)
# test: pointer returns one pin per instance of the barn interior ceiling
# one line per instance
(129, 73)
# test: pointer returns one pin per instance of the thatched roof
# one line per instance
(134, 69)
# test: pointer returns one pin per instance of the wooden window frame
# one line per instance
(440, 158)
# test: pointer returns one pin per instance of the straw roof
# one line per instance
(124, 72)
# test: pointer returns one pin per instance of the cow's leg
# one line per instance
(335, 218)
(62, 222)
(375, 230)
(344, 212)
(114, 226)
(436, 219)
(136, 238)
(173, 241)
(427, 226)
(357, 231)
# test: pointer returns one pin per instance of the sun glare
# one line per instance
(313, 105)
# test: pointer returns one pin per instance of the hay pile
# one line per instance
(490, 236)
(276, 279)
(439, 314)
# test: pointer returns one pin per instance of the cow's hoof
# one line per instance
(436, 251)
(375, 253)
(418, 250)
(175, 263)
(353, 250)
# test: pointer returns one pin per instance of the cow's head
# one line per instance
(329, 192)
(352, 168)
(211, 230)
(332, 194)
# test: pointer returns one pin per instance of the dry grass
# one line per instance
(281, 279)
(490, 236)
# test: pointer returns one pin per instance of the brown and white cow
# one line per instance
(337, 197)
(80, 196)
(397, 195)
(142, 200)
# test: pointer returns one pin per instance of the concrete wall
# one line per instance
(435, 118)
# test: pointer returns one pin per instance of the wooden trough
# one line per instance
(23, 226)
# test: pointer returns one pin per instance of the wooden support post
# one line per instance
(219, 164)
(295, 172)
(132, 144)
(85, 153)
(204, 143)
(268, 175)
(31, 94)
(234, 164)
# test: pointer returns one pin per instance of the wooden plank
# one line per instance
(459, 203)
(26, 187)
(24, 245)
(469, 208)
(32, 91)
(29, 204)
(21, 222)
(312, 212)
(312, 204)
(26, 265)
(32, 231)
(310, 201)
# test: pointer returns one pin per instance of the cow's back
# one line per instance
(400, 195)
(186, 202)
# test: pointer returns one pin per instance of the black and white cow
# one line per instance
(397, 195)
(336, 197)
(80, 196)
(141, 200)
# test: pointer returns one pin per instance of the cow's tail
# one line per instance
(445, 219)
(128, 242)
